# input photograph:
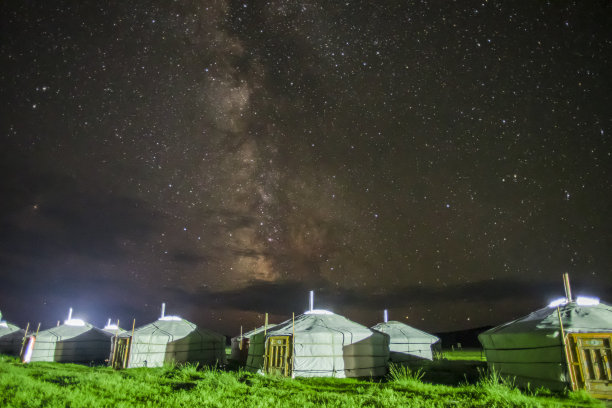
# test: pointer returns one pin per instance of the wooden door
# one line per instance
(590, 359)
(278, 356)
(121, 354)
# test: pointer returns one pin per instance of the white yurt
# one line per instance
(170, 339)
(407, 344)
(240, 344)
(11, 338)
(567, 344)
(319, 343)
(75, 341)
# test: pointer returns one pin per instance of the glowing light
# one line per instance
(111, 327)
(27, 355)
(74, 322)
(587, 301)
(170, 318)
(319, 312)
(558, 302)
(3, 324)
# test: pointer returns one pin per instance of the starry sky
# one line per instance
(447, 160)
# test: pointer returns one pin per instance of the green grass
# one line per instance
(69, 385)
(464, 354)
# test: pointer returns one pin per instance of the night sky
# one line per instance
(447, 160)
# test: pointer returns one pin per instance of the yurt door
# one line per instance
(590, 356)
(121, 355)
(278, 355)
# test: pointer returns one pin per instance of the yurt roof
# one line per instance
(399, 330)
(318, 321)
(170, 327)
(70, 328)
(576, 318)
(249, 334)
(7, 328)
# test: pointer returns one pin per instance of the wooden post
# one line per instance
(265, 344)
(293, 345)
(128, 345)
(112, 361)
(266, 325)
(565, 351)
(240, 344)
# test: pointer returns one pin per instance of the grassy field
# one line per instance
(69, 385)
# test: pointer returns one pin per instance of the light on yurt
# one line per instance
(558, 302)
(164, 317)
(171, 318)
(73, 322)
(111, 326)
(587, 301)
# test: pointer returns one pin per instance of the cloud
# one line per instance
(283, 297)
(51, 215)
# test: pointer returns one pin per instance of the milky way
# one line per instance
(445, 160)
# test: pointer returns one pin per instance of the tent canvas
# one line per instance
(71, 343)
(11, 338)
(172, 339)
(239, 353)
(406, 343)
(531, 348)
(321, 344)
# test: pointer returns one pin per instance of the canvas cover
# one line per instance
(11, 338)
(82, 344)
(407, 344)
(327, 345)
(174, 340)
(531, 348)
(239, 354)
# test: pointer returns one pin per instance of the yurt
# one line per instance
(11, 338)
(407, 344)
(240, 344)
(564, 345)
(75, 341)
(319, 343)
(168, 339)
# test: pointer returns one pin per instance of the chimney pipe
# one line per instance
(568, 289)
(108, 322)
(163, 313)
(70, 314)
(386, 315)
(311, 300)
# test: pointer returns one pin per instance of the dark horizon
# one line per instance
(448, 162)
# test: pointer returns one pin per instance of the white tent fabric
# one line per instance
(327, 345)
(68, 343)
(531, 349)
(240, 355)
(171, 339)
(407, 344)
(11, 338)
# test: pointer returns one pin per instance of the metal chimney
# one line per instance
(386, 315)
(311, 300)
(163, 313)
(70, 314)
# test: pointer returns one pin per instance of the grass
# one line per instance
(69, 385)
(464, 354)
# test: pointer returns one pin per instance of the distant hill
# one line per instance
(467, 338)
